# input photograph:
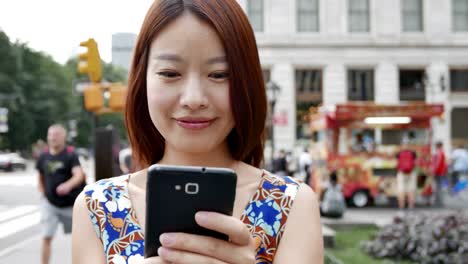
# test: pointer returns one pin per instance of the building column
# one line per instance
(437, 91)
(334, 84)
(386, 84)
(285, 110)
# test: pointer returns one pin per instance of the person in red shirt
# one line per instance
(439, 170)
(406, 177)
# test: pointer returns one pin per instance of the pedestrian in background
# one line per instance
(406, 176)
(305, 163)
(125, 160)
(333, 202)
(280, 164)
(439, 171)
(61, 179)
(459, 164)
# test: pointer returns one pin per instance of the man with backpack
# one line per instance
(333, 203)
(61, 179)
(406, 177)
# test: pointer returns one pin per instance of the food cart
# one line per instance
(361, 140)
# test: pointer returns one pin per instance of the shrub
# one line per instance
(424, 238)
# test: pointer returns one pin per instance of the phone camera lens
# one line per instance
(191, 188)
(203, 169)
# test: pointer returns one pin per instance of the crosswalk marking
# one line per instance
(17, 224)
(17, 211)
(15, 180)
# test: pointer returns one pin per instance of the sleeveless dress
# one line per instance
(116, 224)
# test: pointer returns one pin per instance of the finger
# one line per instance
(155, 260)
(204, 245)
(233, 227)
(183, 257)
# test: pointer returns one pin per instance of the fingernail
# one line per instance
(201, 217)
(167, 239)
(163, 252)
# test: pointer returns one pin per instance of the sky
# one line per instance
(56, 27)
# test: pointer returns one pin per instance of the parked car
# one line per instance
(12, 161)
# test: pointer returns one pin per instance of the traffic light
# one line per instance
(90, 62)
(117, 93)
(93, 97)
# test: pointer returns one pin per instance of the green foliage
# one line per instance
(348, 248)
(39, 92)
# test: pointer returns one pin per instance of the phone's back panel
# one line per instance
(175, 194)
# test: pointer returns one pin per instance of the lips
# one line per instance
(195, 123)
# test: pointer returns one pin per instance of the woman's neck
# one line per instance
(217, 158)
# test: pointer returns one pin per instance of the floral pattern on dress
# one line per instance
(116, 224)
(267, 213)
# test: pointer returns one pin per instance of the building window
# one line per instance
(255, 12)
(361, 85)
(308, 94)
(459, 80)
(359, 15)
(412, 85)
(460, 15)
(308, 82)
(308, 15)
(459, 126)
(412, 15)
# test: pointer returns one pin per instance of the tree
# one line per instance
(39, 92)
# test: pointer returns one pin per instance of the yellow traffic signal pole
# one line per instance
(94, 102)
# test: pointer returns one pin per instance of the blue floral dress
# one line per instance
(116, 224)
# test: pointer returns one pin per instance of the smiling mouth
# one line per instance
(195, 124)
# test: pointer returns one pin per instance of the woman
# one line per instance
(196, 97)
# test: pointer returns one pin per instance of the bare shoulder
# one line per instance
(306, 197)
(303, 227)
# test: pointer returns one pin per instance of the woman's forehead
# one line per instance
(186, 33)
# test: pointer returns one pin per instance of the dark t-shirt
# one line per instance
(57, 169)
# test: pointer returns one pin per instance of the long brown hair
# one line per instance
(247, 89)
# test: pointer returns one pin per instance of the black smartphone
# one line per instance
(175, 193)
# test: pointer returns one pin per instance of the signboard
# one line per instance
(3, 120)
(358, 111)
(281, 119)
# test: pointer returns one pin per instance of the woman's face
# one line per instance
(188, 86)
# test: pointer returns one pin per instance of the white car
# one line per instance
(12, 161)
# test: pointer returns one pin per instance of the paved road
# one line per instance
(20, 234)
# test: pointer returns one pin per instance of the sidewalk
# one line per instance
(29, 251)
(375, 216)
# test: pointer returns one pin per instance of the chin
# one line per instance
(195, 145)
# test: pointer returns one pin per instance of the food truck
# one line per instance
(361, 140)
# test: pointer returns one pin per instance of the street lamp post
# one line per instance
(272, 93)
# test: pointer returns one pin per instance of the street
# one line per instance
(20, 234)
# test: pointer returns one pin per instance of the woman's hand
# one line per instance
(182, 248)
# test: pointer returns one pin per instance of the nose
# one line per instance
(193, 96)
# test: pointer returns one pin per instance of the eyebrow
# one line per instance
(220, 59)
(177, 58)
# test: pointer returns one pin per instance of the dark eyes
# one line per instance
(219, 75)
(168, 74)
(173, 74)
